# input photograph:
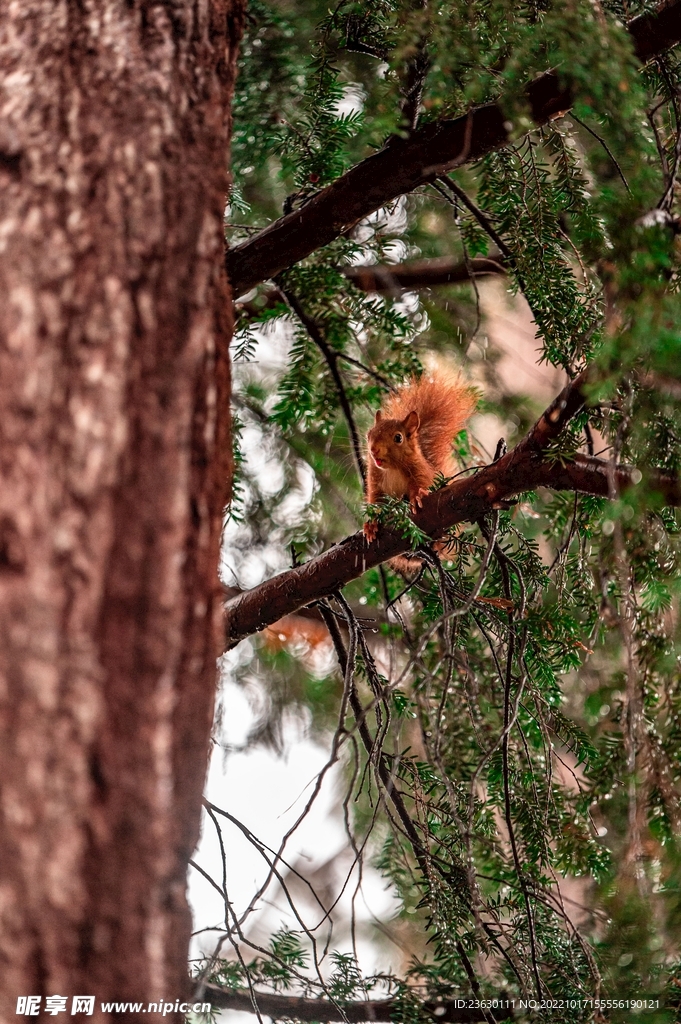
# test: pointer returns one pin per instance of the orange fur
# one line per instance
(411, 440)
(443, 403)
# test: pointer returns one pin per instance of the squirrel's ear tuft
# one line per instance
(412, 422)
(379, 415)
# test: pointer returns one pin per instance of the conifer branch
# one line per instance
(404, 164)
(467, 499)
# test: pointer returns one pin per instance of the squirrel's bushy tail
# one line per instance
(444, 401)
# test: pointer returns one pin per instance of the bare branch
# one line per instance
(588, 475)
(280, 1006)
(389, 278)
(415, 274)
(404, 164)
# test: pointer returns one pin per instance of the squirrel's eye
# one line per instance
(398, 438)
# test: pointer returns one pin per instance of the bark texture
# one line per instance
(115, 466)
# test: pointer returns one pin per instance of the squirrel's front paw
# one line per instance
(370, 530)
(416, 501)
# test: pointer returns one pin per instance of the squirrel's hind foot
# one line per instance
(370, 530)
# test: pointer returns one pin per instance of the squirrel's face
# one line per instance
(392, 443)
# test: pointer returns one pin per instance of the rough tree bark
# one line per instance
(115, 464)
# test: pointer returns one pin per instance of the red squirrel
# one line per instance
(411, 440)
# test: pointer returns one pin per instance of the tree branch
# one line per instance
(277, 1006)
(524, 468)
(389, 278)
(404, 164)
(588, 475)
(415, 274)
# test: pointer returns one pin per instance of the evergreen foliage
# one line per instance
(532, 720)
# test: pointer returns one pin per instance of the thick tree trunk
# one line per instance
(115, 465)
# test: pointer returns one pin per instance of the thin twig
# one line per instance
(605, 146)
(468, 263)
(331, 358)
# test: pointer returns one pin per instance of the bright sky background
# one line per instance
(267, 794)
